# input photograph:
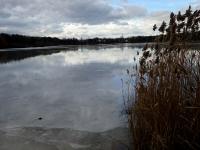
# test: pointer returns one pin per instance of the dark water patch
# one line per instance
(20, 54)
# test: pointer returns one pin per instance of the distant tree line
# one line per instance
(19, 41)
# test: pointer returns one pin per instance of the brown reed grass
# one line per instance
(165, 109)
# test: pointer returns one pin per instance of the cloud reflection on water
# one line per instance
(75, 89)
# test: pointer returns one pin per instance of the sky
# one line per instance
(87, 18)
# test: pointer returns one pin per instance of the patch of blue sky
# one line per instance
(158, 5)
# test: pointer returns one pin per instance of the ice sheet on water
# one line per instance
(32, 138)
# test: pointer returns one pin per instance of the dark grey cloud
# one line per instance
(4, 14)
(78, 18)
(76, 11)
(28, 15)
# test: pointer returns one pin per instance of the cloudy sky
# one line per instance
(86, 18)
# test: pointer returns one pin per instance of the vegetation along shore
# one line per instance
(164, 107)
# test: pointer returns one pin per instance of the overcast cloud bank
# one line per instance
(79, 18)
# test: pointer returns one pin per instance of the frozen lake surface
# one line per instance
(65, 100)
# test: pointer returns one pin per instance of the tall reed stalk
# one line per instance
(165, 109)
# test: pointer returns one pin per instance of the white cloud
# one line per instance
(77, 18)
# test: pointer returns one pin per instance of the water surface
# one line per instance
(78, 89)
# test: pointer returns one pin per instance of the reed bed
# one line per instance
(164, 112)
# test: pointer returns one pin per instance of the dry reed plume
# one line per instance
(165, 109)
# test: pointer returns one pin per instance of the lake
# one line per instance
(67, 97)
